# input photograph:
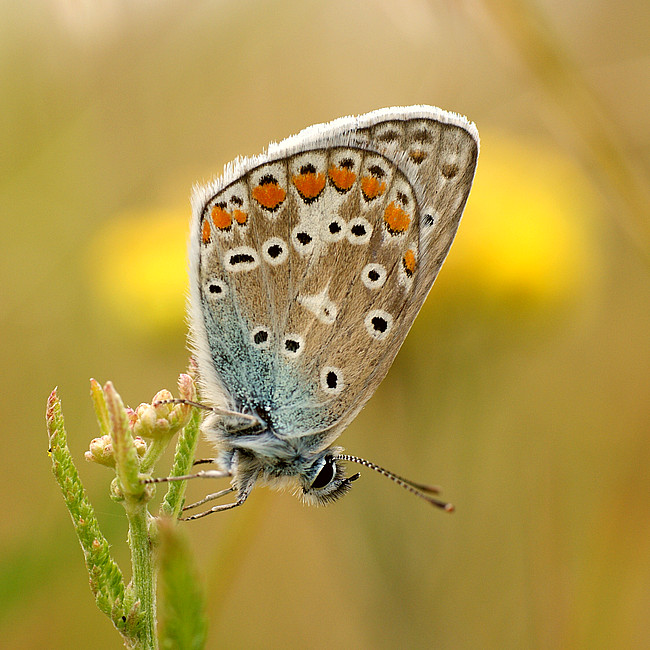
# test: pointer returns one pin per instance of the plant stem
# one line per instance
(143, 579)
(155, 450)
(183, 458)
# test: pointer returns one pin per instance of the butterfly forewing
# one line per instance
(314, 264)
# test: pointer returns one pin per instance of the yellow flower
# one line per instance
(527, 235)
(138, 270)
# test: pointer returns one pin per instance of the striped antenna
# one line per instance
(419, 489)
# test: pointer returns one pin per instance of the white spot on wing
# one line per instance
(331, 380)
(378, 323)
(275, 251)
(334, 229)
(374, 275)
(241, 258)
(359, 231)
(292, 345)
(261, 337)
(304, 238)
(216, 289)
(321, 306)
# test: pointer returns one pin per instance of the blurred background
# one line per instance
(523, 388)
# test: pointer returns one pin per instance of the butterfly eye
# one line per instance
(330, 483)
(325, 476)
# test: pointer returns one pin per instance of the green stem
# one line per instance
(143, 579)
(135, 499)
(155, 450)
(183, 459)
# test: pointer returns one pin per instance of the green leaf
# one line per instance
(127, 463)
(183, 622)
(101, 410)
(106, 581)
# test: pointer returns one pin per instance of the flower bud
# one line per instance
(163, 417)
(101, 450)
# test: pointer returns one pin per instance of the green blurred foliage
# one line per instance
(523, 388)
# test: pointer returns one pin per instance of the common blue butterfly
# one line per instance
(308, 265)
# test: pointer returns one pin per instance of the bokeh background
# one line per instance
(523, 388)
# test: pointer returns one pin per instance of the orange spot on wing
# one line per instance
(221, 218)
(396, 219)
(409, 262)
(240, 216)
(417, 156)
(269, 195)
(342, 178)
(310, 185)
(205, 231)
(372, 187)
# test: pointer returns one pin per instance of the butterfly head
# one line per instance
(324, 481)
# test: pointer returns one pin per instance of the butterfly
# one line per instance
(308, 265)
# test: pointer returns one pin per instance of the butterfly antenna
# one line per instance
(419, 489)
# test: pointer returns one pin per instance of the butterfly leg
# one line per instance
(242, 496)
(206, 473)
(210, 497)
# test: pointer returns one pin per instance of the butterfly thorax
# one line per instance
(262, 440)
(259, 455)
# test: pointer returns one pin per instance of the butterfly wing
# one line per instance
(309, 264)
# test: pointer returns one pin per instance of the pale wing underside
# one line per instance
(315, 261)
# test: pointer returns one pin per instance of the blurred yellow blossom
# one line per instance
(138, 270)
(527, 237)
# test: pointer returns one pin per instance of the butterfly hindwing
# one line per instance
(315, 259)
